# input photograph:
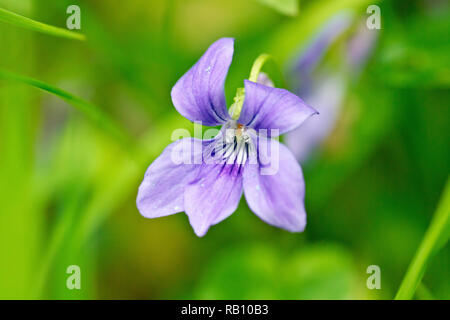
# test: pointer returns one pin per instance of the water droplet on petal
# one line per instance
(258, 187)
(208, 70)
(176, 208)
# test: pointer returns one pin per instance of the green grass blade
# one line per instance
(90, 110)
(24, 22)
(423, 293)
(435, 237)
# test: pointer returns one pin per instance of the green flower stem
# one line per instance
(257, 66)
(24, 22)
(435, 237)
(236, 107)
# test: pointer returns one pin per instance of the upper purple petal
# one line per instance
(161, 191)
(213, 196)
(272, 108)
(199, 94)
(274, 188)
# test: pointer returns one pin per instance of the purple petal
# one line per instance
(161, 191)
(199, 94)
(360, 46)
(276, 198)
(327, 98)
(314, 52)
(213, 196)
(264, 79)
(325, 90)
(272, 108)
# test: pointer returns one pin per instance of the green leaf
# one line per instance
(27, 23)
(321, 271)
(413, 54)
(21, 217)
(247, 272)
(287, 7)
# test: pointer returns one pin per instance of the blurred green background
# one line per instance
(68, 187)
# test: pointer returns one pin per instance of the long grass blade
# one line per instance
(90, 110)
(24, 22)
(436, 236)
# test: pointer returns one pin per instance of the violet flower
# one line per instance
(206, 178)
(324, 88)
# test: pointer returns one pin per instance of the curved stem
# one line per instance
(435, 237)
(236, 107)
(257, 66)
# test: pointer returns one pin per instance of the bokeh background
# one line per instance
(68, 187)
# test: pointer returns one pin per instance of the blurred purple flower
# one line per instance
(325, 89)
(206, 178)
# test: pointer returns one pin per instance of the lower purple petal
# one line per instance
(213, 196)
(276, 196)
(161, 192)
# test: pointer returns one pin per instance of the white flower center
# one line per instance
(233, 145)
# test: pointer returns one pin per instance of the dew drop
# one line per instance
(176, 208)
(208, 70)
(258, 187)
